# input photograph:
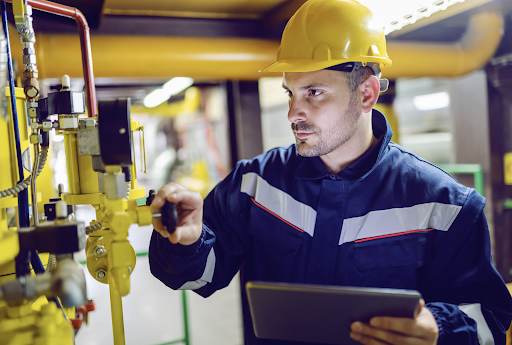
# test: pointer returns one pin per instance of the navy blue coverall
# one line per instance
(389, 220)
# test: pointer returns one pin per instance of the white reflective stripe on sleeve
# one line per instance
(206, 277)
(474, 311)
(279, 202)
(398, 220)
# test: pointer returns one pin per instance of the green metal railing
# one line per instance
(475, 169)
(186, 331)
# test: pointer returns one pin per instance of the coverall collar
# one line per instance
(312, 168)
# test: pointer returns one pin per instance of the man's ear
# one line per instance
(370, 89)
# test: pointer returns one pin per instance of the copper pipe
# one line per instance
(85, 43)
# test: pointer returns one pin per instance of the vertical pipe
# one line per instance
(33, 186)
(70, 146)
(22, 196)
(479, 181)
(3, 222)
(88, 177)
(85, 43)
(133, 170)
(233, 104)
(116, 307)
(186, 336)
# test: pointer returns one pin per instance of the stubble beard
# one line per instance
(332, 138)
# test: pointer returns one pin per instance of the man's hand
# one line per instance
(397, 331)
(189, 206)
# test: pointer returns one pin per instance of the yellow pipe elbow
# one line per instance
(479, 43)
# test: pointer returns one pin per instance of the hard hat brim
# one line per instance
(308, 65)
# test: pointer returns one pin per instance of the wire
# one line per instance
(26, 182)
(33, 184)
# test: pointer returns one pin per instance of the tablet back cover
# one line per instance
(321, 314)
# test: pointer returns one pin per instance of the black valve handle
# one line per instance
(168, 212)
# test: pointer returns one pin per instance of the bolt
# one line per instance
(99, 251)
(61, 189)
(101, 274)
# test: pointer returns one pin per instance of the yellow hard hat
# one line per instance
(325, 33)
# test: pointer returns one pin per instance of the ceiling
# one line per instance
(220, 18)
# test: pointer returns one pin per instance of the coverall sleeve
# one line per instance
(210, 263)
(476, 306)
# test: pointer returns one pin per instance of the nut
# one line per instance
(36, 138)
(99, 251)
(90, 122)
(47, 125)
(32, 112)
(68, 122)
(101, 274)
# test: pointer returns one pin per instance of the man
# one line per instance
(344, 206)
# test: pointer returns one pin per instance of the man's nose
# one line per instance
(296, 111)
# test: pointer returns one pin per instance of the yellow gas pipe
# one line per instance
(228, 58)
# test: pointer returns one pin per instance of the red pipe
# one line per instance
(85, 43)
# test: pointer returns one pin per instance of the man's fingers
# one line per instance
(176, 194)
(372, 335)
(396, 324)
(185, 235)
(363, 339)
(157, 224)
(166, 193)
(187, 199)
(189, 206)
(420, 306)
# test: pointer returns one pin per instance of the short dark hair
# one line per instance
(357, 76)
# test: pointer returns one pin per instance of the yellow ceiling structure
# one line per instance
(233, 39)
(246, 9)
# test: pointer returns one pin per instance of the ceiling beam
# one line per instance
(159, 26)
(276, 19)
(179, 14)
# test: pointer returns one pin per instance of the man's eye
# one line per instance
(288, 93)
(314, 92)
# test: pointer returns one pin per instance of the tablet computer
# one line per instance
(319, 313)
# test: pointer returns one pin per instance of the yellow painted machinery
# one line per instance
(101, 172)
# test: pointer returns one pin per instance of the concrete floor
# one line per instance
(153, 312)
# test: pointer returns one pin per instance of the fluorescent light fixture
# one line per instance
(172, 87)
(432, 101)
(395, 14)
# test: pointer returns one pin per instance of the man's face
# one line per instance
(323, 113)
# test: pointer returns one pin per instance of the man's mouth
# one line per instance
(302, 135)
(302, 130)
